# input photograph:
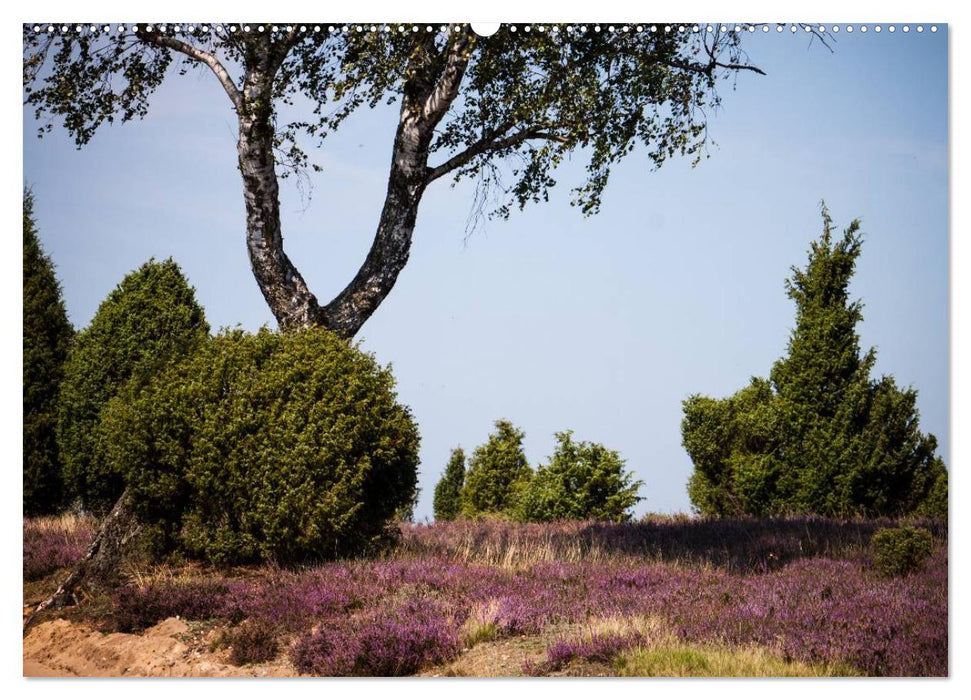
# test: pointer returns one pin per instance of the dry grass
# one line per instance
(660, 654)
(481, 625)
(66, 523)
(648, 627)
(694, 660)
(733, 544)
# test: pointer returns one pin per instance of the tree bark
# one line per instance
(286, 293)
(283, 288)
(392, 242)
(99, 568)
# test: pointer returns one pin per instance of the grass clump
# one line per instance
(482, 625)
(685, 660)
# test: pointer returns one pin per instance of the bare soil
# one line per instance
(65, 647)
(171, 648)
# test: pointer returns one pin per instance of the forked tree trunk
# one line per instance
(426, 97)
(285, 291)
(99, 568)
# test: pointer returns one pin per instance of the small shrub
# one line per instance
(278, 447)
(898, 551)
(583, 481)
(253, 642)
(498, 473)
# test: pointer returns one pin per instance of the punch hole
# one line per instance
(485, 28)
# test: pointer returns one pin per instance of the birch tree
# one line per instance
(504, 111)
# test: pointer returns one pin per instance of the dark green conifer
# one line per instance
(820, 436)
(582, 481)
(147, 320)
(497, 474)
(47, 337)
(447, 504)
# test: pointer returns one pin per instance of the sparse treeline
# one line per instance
(581, 481)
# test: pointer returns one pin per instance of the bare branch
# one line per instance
(708, 68)
(168, 42)
(489, 145)
(738, 66)
(280, 49)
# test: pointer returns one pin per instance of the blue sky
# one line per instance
(602, 325)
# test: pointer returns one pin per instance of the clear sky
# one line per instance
(602, 325)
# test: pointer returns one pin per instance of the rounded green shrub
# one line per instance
(582, 481)
(269, 446)
(148, 319)
(900, 550)
(47, 336)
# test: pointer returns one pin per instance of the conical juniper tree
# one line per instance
(47, 335)
(150, 318)
(497, 475)
(468, 104)
(820, 436)
(447, 503)
(147, 321)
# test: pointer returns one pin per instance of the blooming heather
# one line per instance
(54, 543)
(403, 614)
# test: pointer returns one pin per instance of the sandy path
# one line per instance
(63, 648)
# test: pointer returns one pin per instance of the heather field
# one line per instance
(667, 596)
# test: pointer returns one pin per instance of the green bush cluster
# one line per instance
(267, 446)
(898, 551)
(581, 481)
(819, 436)
(147, 320)
(237, 448)
(47, 336)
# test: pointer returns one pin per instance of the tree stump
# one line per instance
(98, 568)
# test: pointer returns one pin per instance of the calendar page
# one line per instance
(486, 350)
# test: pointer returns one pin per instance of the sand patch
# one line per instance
(170, 648)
